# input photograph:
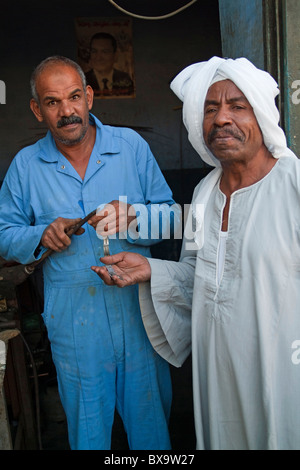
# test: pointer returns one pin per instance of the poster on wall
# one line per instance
(105, 53)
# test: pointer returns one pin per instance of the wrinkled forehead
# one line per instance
(102, 43)
(57, 78)
(224, 88)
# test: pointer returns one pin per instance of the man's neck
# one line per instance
(79, 154)
(240, 174)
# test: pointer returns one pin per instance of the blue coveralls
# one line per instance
(100, 349)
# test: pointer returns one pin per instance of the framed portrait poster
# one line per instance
(105, 53)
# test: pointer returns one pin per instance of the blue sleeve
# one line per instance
(19, 238)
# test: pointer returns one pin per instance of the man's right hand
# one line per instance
(55, 235)
(130, 268)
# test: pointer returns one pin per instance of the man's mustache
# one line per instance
(64, 121)
(233, 133)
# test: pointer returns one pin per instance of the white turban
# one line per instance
(260, 89)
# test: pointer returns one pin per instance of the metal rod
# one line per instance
(29, 268)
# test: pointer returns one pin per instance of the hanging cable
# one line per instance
(153, 17)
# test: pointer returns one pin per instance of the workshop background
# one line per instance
(265, 31)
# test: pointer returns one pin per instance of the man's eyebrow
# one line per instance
(75, 91)
(238, 98)
(49, 98)
(230, 100)
(209, 102)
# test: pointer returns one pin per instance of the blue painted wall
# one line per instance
(242, 30)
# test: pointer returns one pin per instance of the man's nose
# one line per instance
(98, 55)
(66, 109)
(223, 116)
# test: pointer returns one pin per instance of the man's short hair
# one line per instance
(57, 59)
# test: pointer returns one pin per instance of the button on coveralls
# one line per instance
(99, 346)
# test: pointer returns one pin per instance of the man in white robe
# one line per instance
(234, 296)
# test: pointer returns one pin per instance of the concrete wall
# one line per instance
(33, 30)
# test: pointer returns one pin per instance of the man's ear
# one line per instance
(89, 96)
(36, 110)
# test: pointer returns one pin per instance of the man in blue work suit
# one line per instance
(102, 355)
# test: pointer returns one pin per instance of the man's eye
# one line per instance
(75, 97)
(210, 110)
(51, 103)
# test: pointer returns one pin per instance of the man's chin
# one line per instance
(227, 155)
(225, 149)
(70, 141)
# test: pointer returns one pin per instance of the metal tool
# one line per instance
(109, 267)
(106, 246)
(29, 268)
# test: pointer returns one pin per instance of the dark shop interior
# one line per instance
(166, 37)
